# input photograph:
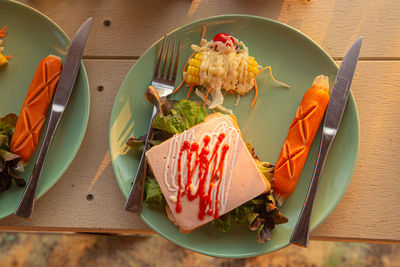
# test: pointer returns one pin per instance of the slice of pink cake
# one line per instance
(206, 171)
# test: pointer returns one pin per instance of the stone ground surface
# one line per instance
(19, 249)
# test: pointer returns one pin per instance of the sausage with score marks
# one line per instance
(301, 134)
(33, 112)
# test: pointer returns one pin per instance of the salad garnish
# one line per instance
(9, 162)
(3, 59)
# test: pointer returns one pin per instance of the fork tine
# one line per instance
(176, 61)
(165, 58)
(171, 58)
(160, 58)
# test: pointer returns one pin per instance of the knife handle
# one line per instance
(26, 204)
(300, 234)
(135, 200)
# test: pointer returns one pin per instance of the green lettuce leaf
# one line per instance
(181, 116)
(153, 193)
(7, 123)
(137, 144)
(4, 141)
(223, 223)
(266, 168)
(245, 213)
(9, 162)
(8, 156)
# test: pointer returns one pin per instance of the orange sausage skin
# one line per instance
(301, 134)
(33, 112)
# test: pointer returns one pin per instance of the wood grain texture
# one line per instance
(368, 211)
(137, 24)
(370, 207)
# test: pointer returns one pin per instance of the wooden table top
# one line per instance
(123, 29)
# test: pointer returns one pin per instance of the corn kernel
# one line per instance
(192, 62)
(253, 69)
(3, 60)
(189, 78)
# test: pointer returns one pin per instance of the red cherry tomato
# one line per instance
(224, 38)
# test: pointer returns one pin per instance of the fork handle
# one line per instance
(26, 204)
(301, 231)
(135, 200)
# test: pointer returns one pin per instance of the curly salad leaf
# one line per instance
(174, 116)
(181, 116)
(9, 162)
(7, 124)
(223, 223)
(153, 193)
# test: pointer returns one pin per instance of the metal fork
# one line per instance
(164, 84)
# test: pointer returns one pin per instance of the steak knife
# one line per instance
(62, 93)
(333, 117)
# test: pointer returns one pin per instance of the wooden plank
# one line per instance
(370, 206)
(368, 211)
(136, 24)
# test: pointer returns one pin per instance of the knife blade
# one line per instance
(333, 117)
(341, 89)
(62, 94)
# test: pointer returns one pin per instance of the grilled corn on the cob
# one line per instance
(193, 69)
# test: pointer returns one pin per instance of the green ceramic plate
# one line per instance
(296, 60)
(31, 36)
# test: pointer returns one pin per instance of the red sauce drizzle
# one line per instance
(203, 162)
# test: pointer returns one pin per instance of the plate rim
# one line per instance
(87, 111)
(351, 101)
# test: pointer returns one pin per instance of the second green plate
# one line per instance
(30, 37)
